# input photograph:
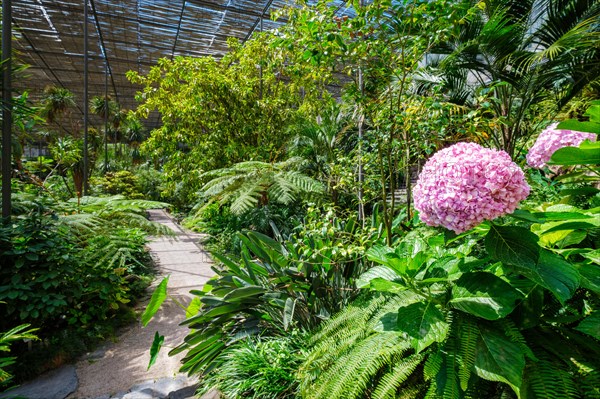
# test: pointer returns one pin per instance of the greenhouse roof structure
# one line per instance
(126, 35)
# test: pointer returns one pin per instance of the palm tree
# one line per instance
(246, 185)
(524, 52)
(105, 108)
(317, 142)
(56, 103)
(134, 134)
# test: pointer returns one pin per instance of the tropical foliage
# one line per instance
(325, 160)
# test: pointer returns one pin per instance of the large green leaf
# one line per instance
(388, 257)
(288, 312)
(499, 359)
(590, 277)
(244, 292)
(512, 245)
(573, 124)
(484, 295)
(594, 256)
(424, 323)
(382, 272)
(155, 348)
(591, 325)
(383, 285)
(158, 297)
(553, 273)
(588, 153)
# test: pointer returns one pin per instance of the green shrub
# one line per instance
(48, 278)
(39, 279)
(122, 182)
(258, 368)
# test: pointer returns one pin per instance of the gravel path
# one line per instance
(119, 370)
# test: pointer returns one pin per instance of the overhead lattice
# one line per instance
(126, 35)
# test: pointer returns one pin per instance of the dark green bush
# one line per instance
(49, 279)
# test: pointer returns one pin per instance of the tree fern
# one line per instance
(248, 184)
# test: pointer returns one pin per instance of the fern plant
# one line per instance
(248, 184)
(21, 332)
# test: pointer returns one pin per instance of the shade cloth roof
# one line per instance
(126, 35)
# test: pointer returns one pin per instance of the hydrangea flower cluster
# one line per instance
(552, 139)
(465, 184)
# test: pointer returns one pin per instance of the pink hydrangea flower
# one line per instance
(465, 184)
(550, 140)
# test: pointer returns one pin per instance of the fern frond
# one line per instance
(353, 372)
(304, 183)
(222, 183)
(85, 224)
(349, 356)
(589, 378)
(246, 199)
(467, 348)
(433, 365)
(549, 379)
(390, 382)
(282, 190)
(513, 333)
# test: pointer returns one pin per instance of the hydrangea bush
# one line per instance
(552, 139)
(465, 184)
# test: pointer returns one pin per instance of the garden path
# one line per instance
(119, 369)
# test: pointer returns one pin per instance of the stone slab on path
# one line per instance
(55, 384)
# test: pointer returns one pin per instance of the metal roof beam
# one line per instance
(178, 29)
(97, 23)
(39, 54)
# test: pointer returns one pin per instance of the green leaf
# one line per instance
(158, 297)
(288, 312)
(512, 245)
(570, 226)
(499, 359)
(244, 292)
(590, 277)
(588, 190)
(193, 308)
(553, 273)
(386, 256)
(424, 323)
(591, 325)
(155, 348)
(484, 295)
(573, 124)
(382, 272)
(383, 285)
(588, 153)
(594, 256)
